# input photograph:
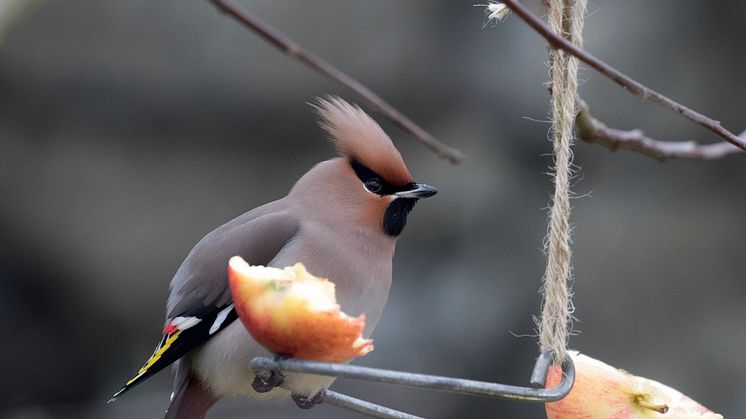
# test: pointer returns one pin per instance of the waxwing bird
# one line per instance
(341, 219)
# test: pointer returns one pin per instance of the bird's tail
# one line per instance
(190, 399)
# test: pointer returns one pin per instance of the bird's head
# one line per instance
(369, 184)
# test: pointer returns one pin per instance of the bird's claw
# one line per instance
(267, 380)
(305, 402)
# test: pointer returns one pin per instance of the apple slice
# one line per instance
(293, 313)
(602, 391)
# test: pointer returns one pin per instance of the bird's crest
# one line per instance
(357, 136)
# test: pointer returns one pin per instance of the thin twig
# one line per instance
(633, 86)
(591, 130)
(292, 48)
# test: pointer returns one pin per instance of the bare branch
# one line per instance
(631, 85)
(292, 48)
(591, 130)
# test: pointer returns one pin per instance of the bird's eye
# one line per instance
(373, 185)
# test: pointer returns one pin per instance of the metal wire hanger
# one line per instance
(269, 370)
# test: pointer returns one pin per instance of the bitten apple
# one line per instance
(293, 313)
(602, 391)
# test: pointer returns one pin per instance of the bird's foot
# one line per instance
(265, 381)
(305, 402)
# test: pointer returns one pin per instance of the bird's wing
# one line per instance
(181, 334)
(200, 303)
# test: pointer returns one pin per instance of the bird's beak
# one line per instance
(417, 190)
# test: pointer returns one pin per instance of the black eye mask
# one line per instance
(368, 176)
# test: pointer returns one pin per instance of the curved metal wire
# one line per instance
(537, 393)
(364, 407)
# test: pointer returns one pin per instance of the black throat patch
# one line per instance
(396, 214)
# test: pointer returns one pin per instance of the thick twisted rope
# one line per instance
(565, 17)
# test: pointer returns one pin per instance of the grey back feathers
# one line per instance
(257, 236)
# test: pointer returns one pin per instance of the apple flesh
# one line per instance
(293, 313)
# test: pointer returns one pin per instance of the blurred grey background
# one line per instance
(129, 129)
